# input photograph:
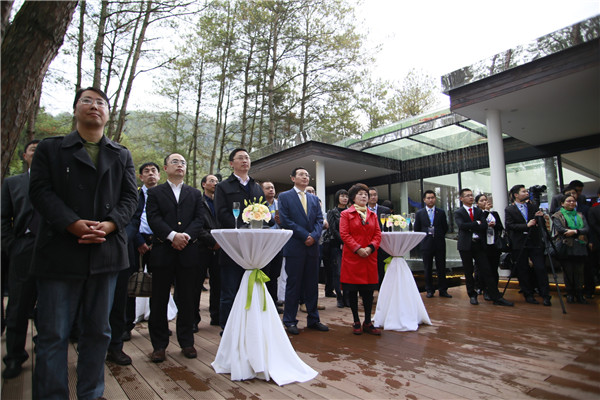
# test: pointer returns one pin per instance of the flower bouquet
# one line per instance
(255, 213)
(396, 222)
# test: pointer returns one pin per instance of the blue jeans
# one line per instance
(56, 309)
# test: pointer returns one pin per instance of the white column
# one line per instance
(403, 198)
(497, 163)
(320, 182)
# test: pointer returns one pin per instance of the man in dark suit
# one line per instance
(174, 212)
(472, 228)
(526, 243)
(378, 209)
(208, 255)
(301, 213)
(432, 221)
(18, 236)
(83, 186)
(122, 315)
(237, 188)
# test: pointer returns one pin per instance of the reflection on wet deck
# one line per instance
(470, 352)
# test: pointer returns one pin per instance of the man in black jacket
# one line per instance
(83, 186)
(432, 221)
(378, 209)
(237, 188)
(472, 228)
(174, 212)
(18, 236)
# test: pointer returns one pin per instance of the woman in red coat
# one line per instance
(361, 235)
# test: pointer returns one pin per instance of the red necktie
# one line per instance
(471, 214)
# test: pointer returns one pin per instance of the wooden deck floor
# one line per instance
(470, 352)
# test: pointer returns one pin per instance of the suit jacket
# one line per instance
(594, 223)
(209, 222)
(17, 211)
(133, 228)
(293, 217)
(498, 228)
(466, 227)
(231, 190)
(66, 186)
(440, 228)
(516, 227)
(165, 215)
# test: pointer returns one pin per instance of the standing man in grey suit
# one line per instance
(174, 212)
(432, 221)
(83, 186)
(301, 213)
(19, 226)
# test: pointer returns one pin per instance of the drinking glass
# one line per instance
(383, 218)
(236, 211)
(412, 219)
(408, 220)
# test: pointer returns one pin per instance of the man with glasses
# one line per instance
(83, 186)
(174, 212)
(237, 188)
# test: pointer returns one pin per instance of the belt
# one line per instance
(148, 237)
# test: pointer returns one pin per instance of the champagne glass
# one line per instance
(383, 218)
(408, 220)
(412, 218)
(236, 211)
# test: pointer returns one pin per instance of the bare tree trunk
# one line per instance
(99, 46)
(32, 117)
(197, 122)
(80, 40)
(30, 44)
(271, 88)
(6, 7)
(246, 93)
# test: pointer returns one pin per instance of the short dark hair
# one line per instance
(576, 183)
(338, 194)
(357, 187)
(463, 190)
(564, 197)
(205, 178)
(388, 204)
(515, 190)
(425, 193)
(93, 89)
(480, 195)
(372, 188)
(568, 189)
(149, 164)
(296, 170)
(267, 181)
(34, 141)
(235, 151)
(167, 157)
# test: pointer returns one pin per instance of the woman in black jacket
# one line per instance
(493, 247)
(335, 241)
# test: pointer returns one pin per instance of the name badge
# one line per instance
(431, 230)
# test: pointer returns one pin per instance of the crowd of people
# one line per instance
(76, 227)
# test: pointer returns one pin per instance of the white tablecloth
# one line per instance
(254, 343)
(399, 305)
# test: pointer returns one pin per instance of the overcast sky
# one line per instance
(437, 36)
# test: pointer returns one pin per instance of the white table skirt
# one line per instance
(399, 305)
(254, 343)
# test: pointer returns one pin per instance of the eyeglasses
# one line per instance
(175, 161)
(88, 101)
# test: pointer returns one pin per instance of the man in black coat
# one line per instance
(18, 236)
(174, 212)
(83, 186)
(432, 221)
(237, 188)
(378, 209)
(526, 243)
(472, 228)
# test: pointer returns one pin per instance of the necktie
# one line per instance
(471, 214)
(431, 216)
(303, 201)
(523, 210)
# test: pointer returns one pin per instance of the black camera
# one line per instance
(535, 192)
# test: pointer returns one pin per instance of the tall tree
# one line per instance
(30, 43)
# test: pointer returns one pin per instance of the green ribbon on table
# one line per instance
(257, 276)
(388, 260)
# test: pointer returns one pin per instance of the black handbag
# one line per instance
(140, 283)
(502, 242)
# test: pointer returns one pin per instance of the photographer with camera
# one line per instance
(526, 243)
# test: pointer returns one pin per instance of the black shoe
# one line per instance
(158, 356)
(195, 328)
(13, 369)
(502, 302)
(279, 303)
(486, 296)
(340, 303)
(204, 289)
(430, 295)
(446, 295)
(170, 332)
(292, 329)
(330, 294)
(279, 310)
(547, 301)
(126, 336)
(531, 300)
(474, 300)
(118, 357)
(318, 327)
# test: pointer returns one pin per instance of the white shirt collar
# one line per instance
(243, 182)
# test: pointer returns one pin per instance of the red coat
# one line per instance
(354, 234)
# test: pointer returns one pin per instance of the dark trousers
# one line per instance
(117, 316)
(573, 274)
(231, 277)
(162, 279)
(493, 256)
(22, 295)
(208, 262)
(302, 283)
(336, 265)
(526, 282)
(440, 267)
(273, 270)
(477, 254)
